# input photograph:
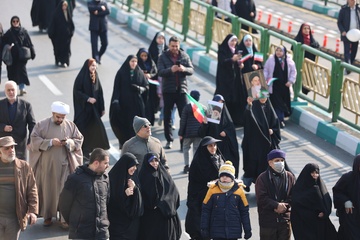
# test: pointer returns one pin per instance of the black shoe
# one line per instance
(168, 145)
(186, 169)
(282, 125)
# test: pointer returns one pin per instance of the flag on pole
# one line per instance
(270, 81)
(258, 56)
(246, 57)
(198, 110)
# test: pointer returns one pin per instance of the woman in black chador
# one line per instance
(161, 200)
(60, 32)
(346, 193)
(225, 131)
(128, 99)
(125, 205)
(89, 108)
(18, 37)
(150, 70)
(229, 81)
(203, 169)
(311, 206)
(261, 135)
(247, 46)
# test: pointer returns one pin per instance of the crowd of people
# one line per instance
(66, 176)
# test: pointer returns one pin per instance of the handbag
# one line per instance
(6, 55)
(24, 53)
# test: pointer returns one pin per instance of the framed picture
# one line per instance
(255, 84)
(214, 111)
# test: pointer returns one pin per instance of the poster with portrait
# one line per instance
(256, 85)
(214, 110)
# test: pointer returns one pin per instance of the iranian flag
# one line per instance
(258, 56)
(198, 110)
(271, 81)
(246, 57)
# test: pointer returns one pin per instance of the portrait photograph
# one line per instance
(256, 85)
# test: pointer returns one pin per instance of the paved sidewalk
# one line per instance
(331, 10)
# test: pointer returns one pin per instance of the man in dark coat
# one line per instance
(246, 9)
(98, 10)
(174, 65)
(261, 135)
(349, 18)
(347, 202)
(84, 198)
(15, 116)
(273, 197)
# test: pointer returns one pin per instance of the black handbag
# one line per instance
(24, 53)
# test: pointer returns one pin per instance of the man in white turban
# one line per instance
(55, 152)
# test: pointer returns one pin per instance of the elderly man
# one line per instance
(19, 197)
(55, 152)
(15, 116)
(273, 196)
(143, 142)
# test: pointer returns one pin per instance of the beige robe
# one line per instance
(52, 165)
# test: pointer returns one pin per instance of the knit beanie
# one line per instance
(227, 169)
(195, 95)
(276, 153)
(138, 122)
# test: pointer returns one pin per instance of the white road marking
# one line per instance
(50, 85)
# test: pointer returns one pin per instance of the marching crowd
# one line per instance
(66, 178)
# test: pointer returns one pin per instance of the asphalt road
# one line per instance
(49, 83)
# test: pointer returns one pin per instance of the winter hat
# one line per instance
(195, 95)
(139, 122)
(227, 169)
(209, 140)
(276, 153)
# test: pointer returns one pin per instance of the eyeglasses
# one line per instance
(146, 125)
(15, 21)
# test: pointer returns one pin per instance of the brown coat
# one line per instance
(26, 192)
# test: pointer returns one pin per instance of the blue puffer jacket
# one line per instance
(224, 215)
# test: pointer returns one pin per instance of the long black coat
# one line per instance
(309, 198)
(347, 188)
(88, 116)
(161, 200)
(202, 170)
(243, 8)
(124, 211)
(22, 124)
(229, 82)
(257, 141)
(98, 22)
(126, 101)
(42, 12)
(60, 32)
(20, 37)
(248, 63)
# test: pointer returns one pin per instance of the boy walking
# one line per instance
(225, 210)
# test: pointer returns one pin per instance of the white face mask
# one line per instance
(279, 166)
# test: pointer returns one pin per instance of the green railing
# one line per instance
(206, 38)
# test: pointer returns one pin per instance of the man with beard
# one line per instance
(15, 116)
(55, 152)
(19, 197)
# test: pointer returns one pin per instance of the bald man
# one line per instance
(16, 119)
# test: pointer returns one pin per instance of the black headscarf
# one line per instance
(154, 49)
(147, 65)
(119, 203)
(158, 188)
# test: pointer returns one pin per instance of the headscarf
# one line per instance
(249, 49)
(155, 49)
(158, 188)
(92, 74)
(119, 177)
(147, 65)
(306, 37)
(12, 27)
(229, 41)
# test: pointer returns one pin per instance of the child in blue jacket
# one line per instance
(225, 210)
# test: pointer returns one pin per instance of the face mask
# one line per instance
(279, 166)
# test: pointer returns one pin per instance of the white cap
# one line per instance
(60, 107)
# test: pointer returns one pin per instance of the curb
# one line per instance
(325, 130)
(332, 11)
(303, 118)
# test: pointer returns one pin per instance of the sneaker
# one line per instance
(282, 124)
(47, 222)
(173, 127)
(168, 145)
(64, 226)
(186, 169)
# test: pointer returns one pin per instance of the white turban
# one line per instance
(60, 107)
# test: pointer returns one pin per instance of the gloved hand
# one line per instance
(248, 235)
(205, 233)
